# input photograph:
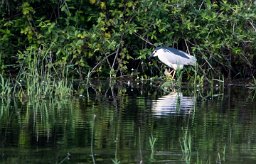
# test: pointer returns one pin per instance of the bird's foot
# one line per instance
(169, 74)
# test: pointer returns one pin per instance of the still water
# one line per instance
(121, 123)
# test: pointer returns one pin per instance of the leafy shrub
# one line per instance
(111, 38)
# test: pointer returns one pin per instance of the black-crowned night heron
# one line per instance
(173, 58)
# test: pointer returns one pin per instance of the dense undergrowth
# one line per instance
(55, 40)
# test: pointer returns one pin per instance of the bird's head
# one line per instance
(155, 52)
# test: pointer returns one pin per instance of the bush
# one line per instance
(110, 38)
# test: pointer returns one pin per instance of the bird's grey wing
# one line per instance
(179, 57)
(176, 57)
(178, 53)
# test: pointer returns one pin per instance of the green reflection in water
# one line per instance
(112, 124)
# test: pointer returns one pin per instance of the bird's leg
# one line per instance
(173, 75)
(171, 71)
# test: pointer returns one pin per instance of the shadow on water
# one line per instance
(131, 122)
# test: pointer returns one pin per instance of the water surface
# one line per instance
(114, 123)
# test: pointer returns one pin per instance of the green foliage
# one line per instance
(112, 37)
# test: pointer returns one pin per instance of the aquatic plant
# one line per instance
(252, 85)
(185, 144)
(116, 161)
(66, 158)
(92, 137)
(38, 78)
(221, 156)
(5, 87)
(4, 109)
(179, 77)
(152, 141)
(63, 88)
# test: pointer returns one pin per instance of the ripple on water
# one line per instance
(173, 104)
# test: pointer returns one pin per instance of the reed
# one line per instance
(40, 79)
(221, 156)
(5, 87)
(185, 144)
(179, 77)
(152, 141)
(116, 161)
(62, 88)
(252, 84)
(92, 138)
(66, 158)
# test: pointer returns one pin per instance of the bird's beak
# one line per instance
(151, 56)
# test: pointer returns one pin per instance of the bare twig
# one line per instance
(117, 52)
(138, 35)
(187, 46)
(252, 26)
(98, 64)
(201, 5)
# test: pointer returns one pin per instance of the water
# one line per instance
(108, 124)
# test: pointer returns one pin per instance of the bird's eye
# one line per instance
(154, 52)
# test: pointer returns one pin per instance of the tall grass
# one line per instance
(38, 77)
(5, 87)
(185, 144)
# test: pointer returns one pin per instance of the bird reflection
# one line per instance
(173, 104)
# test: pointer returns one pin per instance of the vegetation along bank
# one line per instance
(107, 38)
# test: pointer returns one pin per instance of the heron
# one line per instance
(173, 58)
